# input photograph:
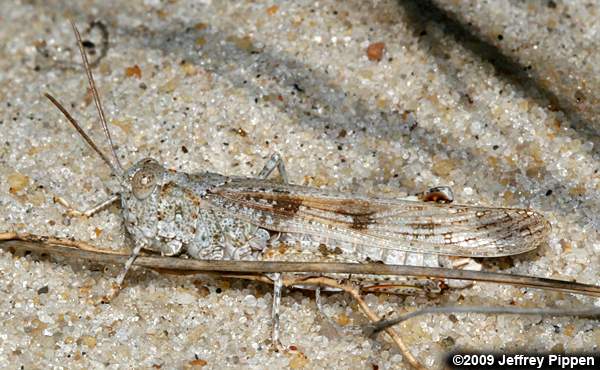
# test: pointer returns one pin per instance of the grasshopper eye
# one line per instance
(143, 183)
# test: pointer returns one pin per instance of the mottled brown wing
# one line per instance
(386, 223)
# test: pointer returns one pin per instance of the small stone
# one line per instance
(169, 86)
(534, 171)
(559, 347)
(189, 69)
(243, 43)
(17, 182)
(45, 318)
(183, 298)
(125, 125)
(201, 26)
(375, 51)
(200, 41)
(578, 190)
(105, 69)
(202, 290)
(569, 330)
(272, 10)
(447, 343)
(134, 71)
(298, 361)
(88, 341)
(196, 364)
(342, 319)
(328, 331)
(250, 301)
(43, 290)
(442, 167)
(566, 245)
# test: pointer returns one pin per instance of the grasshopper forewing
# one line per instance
(385, 223)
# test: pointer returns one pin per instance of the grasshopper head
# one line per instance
(140, 195)
(152, 209)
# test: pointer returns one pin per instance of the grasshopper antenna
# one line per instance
(97, 101)
(83, 133)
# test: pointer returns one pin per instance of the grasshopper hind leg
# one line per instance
(275, 313)
(275, 162)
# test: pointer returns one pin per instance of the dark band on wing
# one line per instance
(360, 221)
(287, 205)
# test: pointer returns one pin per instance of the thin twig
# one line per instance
(590, 313)
(51, 244)
(80, 250)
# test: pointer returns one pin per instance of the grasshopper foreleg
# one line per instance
(88, 212)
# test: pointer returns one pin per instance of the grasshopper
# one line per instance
(211, 216)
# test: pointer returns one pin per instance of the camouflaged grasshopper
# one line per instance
(211, 216)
